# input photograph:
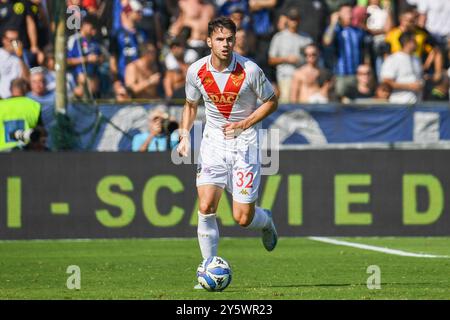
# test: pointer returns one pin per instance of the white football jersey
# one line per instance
(230, 95)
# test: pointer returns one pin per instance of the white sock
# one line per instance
(208, 235)
(260, 220)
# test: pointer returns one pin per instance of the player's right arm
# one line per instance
(187, 121)
(193, 95)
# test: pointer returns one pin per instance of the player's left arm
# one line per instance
(264, 91)
(232, 130)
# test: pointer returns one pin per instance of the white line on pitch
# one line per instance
(375, 248)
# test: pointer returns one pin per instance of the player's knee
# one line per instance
(245, 221)
(243, 218)
(207, 208)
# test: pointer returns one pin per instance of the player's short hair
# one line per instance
(221, 23)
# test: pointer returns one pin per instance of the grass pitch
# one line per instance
(165, 269)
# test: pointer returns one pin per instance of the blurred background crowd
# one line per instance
(314, 51)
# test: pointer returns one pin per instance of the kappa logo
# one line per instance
(244, 192)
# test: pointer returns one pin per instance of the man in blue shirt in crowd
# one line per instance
(127, 39)
(84, 55)
(158, 138)
(347, 42)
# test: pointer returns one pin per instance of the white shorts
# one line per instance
(230, 164)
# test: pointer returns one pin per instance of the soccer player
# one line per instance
(229, 155)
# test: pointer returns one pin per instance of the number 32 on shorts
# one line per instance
(245, 180)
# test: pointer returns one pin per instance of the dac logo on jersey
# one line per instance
(223, 99)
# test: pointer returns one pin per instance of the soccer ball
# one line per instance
(214, 274)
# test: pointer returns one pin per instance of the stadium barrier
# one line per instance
(111, 127)
(319, 193)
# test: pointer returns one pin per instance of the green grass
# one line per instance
(165, 269)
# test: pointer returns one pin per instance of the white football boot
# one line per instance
(269, 234)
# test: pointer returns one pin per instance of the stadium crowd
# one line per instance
(314, 51)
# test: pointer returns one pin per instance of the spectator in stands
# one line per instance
(12, 65)
(403, 72)
(159, 137)
(348, 44)
(127, 40)
(310, 83)
(142, 76)
(435, 17)
(242, 45)
(151, 21)
(359, 17)
(84, 56)
(238, 12)
(177, 48)
(262, 15)
(39, 93)
(194, 16)
(19, 87)
(285, 53)
(365, 84)
(41, 19)
(50, 75)
(177, 62)
(117, 15)
(379, 17)
(18, 15)
(334, 5)
(314, 16)
(38, 86)
(430, 54)
(379, 23)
